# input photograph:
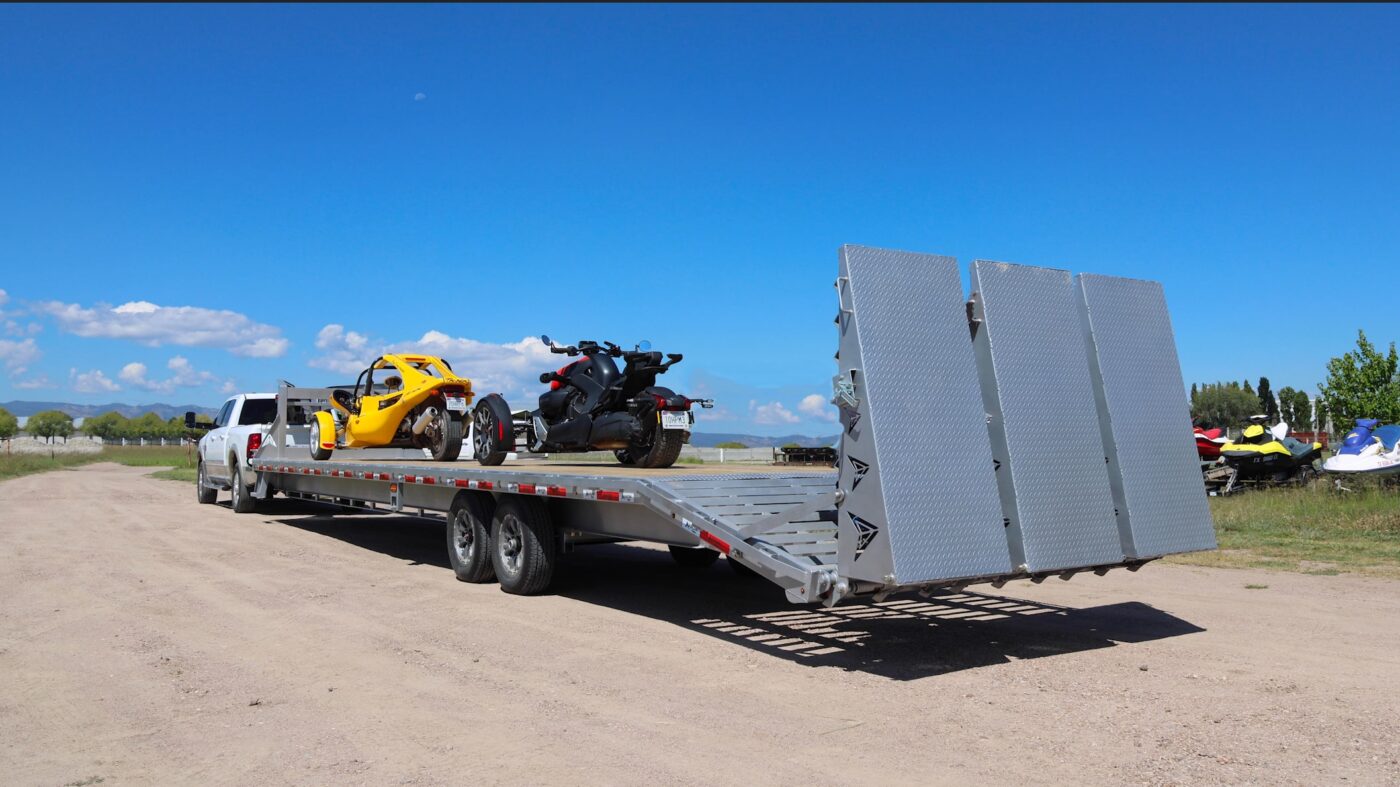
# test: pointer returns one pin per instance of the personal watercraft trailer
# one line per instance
(1033, 431)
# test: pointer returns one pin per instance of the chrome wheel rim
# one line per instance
(315, 435)
(463, 537)
(511, 540)
(481, 430)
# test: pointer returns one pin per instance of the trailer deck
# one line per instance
(1005, 493)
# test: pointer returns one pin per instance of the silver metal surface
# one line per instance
(920, 499)
(1044, 426)
(1144, 418)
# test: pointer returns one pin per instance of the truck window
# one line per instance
(222, 418)
(257, 411)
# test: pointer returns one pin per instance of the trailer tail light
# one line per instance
(557, 491)
(526, 489)
(254, 443)
(714, 541)
(609, 495)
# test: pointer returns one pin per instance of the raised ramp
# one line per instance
(1043, 423)
(1144, 418)
(918, 496)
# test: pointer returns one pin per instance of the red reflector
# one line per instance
(317, 471)
(383, 476)
(527, 489)
(557, 491)
(608, 494)
(484, 485)
(714, 541)
(429, 480)
(461, 482)
(410, 478)
(501, 431)
(254, 442)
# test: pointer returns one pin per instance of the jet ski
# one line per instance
(1270, 454)
(1208, 443)
(1369, 448)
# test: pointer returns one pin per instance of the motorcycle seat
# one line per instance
(1389, 435)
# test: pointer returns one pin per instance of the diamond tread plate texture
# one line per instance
(942, 512)
(1145, 402)
(1062, 505)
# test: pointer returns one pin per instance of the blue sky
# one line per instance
(195, 198)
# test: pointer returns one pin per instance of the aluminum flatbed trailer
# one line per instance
(1062, 448)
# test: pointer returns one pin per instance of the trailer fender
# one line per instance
(323, 435)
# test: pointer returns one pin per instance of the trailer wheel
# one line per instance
(317, 452)
(741, 569)
(693, 557)
(243, 502)
(469, 536)
(204, 493)
(523, 548)
(493, 432)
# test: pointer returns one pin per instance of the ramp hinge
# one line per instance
(844, 391)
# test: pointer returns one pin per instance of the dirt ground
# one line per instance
(147, 640)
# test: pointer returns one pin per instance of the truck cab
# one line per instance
(224, 452)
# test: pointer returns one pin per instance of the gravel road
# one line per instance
(147, 640)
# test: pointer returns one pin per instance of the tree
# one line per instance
(1223, 404)
(50, 424)
(730, 444)
(1193, 396)
(1246, 387)
(108, 426)
(1302, 410)
(1362, 383)
(1266, 399)
(9, 426)
(1285, 406)
(149, 426)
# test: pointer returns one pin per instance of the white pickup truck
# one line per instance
(236, 434)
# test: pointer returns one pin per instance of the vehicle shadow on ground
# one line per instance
(902, 638)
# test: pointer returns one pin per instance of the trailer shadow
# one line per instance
(902, 638)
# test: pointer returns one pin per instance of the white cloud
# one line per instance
(182, 375)
(4, 297)
(16, 356)
(185, 326)
(771, 414)
(815, 406)
(92, 382)
(420, 96)
(510, 368)
(42, 381)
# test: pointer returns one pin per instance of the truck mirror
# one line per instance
(189, 419)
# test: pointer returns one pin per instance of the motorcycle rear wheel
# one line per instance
(445, 440)
(663, 451)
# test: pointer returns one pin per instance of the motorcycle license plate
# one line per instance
(457, 404)
(675, 420)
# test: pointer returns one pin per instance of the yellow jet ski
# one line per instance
(1269, 454)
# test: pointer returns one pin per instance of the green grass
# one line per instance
(174, 456)
(186, 474)
(1312, 530)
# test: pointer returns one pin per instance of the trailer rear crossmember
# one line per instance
(898, 514)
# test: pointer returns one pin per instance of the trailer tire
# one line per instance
(523, 546)
(204, 493)
(493, 431)
(741, 569)
(693, 557)
(469, 537)
(243, 502)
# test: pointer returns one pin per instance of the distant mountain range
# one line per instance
(166, 411)
(24, 409)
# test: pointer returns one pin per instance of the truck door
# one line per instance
(216, 441)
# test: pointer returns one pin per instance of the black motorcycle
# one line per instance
(592, 406)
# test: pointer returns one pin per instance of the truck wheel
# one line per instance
(243, 502)
(693, 557)
(469, 536)
(204, 493)
(523, 549)
(445, 442)
(664, 450)
(317, 452)
(493, 432)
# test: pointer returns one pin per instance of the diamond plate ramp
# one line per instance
(920, 499)
(1144, 418)
(1044, 426)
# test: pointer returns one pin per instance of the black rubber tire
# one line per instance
(741, 569)
(664, 450)
(204, 494)
(524, 550)
(693, 557)
(469, 536)
(449, 445)
(317, 452)
(243, 501)
(493, 432)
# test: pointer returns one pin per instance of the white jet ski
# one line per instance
(1368, 449)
